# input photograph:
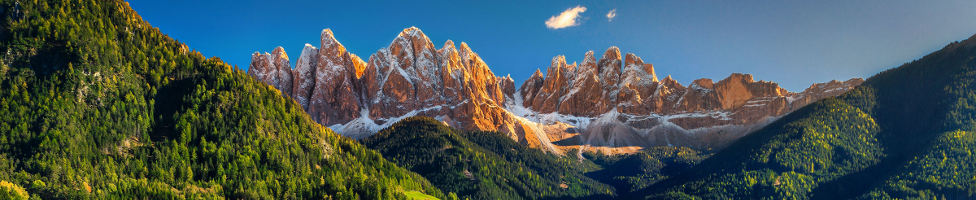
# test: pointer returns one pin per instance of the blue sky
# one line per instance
(794, 43)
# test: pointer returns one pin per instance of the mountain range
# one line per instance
(615, 104)
(96, 103)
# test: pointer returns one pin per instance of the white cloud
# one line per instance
(566, 18)
(611, 14)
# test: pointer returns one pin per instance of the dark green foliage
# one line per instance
(630, 172)
(904, 133)
(483, 165)
(946, 170)
(96, 103)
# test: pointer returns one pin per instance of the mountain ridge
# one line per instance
(410, 77)
(906, 133)
(483, 165)
(99, 104)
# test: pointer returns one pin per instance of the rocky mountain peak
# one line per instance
(330, 45)
(508, 86)
(407, 78)
(413, 41)
(704, 83)
(635, 71)
(632, 59)
(303, 75)
(282, 70)
(609, 67)
(279, 53)
(557, 63)
(599, 99)
(449, 46)
(626, 105)
(273, 66)
(668, 79)
(739, 77)
(589, 64)
(465, 49)
(612, 53)
(261, 64)
(412, 32)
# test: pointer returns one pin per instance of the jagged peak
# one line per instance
(412, 31)
(588, 57)
(308, 58)
(412, 40)
(670, 83)
(704, 83)
(739, 77)
(632, 59)
(413, 34)
(448, 46)
(466, 52)
(558, 61)
(258, 56)
(538, 73)
(280, 52)
(612, 53)
(328, 41)
(261, 62)
(307, 45)
(327, 32)
(308, 50)
(328, 36)
(465, 48)
(645, 71)
(559, 64)
(668, 79)
(588, 67)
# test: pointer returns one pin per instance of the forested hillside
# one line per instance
(630, 173)
(96, 103)
(484, 165)
(904, 133)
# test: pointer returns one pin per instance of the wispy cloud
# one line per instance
(565, 19)
(611, 14)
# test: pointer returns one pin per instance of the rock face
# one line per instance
(409, 77)
(615, 104)
(274, 69)
(610, 103)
